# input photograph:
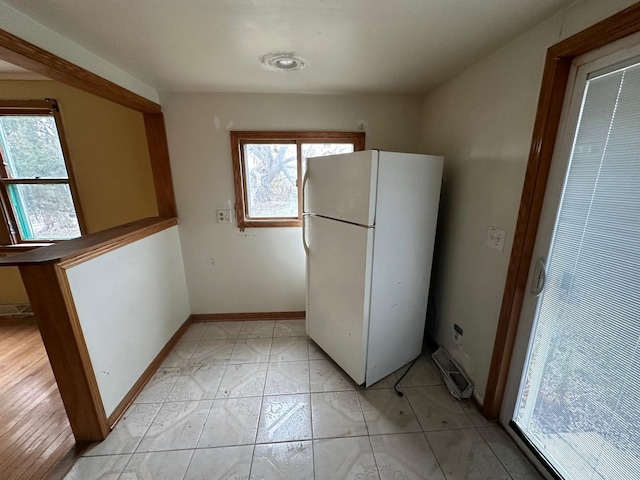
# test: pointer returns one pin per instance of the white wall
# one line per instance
(130, 302)
(26, 28)
(261, 269)
(482, 122)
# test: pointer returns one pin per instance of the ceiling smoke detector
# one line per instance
(282, 62)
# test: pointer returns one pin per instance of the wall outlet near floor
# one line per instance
(224, 216)
(495, 238)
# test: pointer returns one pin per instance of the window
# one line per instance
(268, 169)
(37, 192)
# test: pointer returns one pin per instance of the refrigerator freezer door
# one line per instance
(339, 285)
(343, 186)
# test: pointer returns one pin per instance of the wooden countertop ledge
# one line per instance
(93, 245)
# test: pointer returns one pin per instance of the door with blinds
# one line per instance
(578, 402)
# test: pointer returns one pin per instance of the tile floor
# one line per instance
(258, 400)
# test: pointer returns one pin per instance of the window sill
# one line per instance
(268, 223)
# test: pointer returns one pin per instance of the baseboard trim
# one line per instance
(147, 374)
(248, 316)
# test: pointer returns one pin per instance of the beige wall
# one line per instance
(108, 150)
(261, 269)
(11, 287)
(482, 122)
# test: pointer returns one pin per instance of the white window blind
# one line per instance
(580, 399)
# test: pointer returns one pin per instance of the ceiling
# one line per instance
(350, 46)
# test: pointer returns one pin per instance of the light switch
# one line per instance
(495, 238)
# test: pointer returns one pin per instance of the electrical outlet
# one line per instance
(495, 238)
(223, 216)
(457, 334)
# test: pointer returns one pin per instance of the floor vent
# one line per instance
(456, 380)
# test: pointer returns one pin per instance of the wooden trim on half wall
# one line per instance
(160, 164)
(248, 316)
(552, 91)
(44, 274)
(61, 333)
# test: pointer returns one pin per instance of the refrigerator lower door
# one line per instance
(339, 266)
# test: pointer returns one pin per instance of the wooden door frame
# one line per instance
(26, 55)
(550, 102)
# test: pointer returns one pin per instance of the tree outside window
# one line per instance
(36, 189)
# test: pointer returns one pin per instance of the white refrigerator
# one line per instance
(368, 231)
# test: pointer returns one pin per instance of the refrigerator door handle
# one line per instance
(304, 233)
(305, 179)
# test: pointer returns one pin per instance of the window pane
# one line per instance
(31, 147)
(271, 173)
(322, 149)
(44, 212)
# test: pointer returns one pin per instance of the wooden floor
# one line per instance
(35, 436)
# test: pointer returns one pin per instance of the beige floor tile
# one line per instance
(475, 416)
(212, 352)
(179, 356)
(315, 352)
(287, 377)
(464, 455)
(387, 382)
(197, 383)
(221, 330)
(257, 329)
(290, 328)
(344, 459)
(194, 332)
(128, 433)
(326, 376)
(224, 463)
(407, 456)
(243, 380)
(98, 468)
(386, 412)
(424, 373)
(337, 414)
(284, 418)
(516, 464)
(283, 461)
(177, 426)
(232, 400)
(436, 409)
(231, 422)
(159, 386)
(251, 350)
(157, 465)
(287, 349)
